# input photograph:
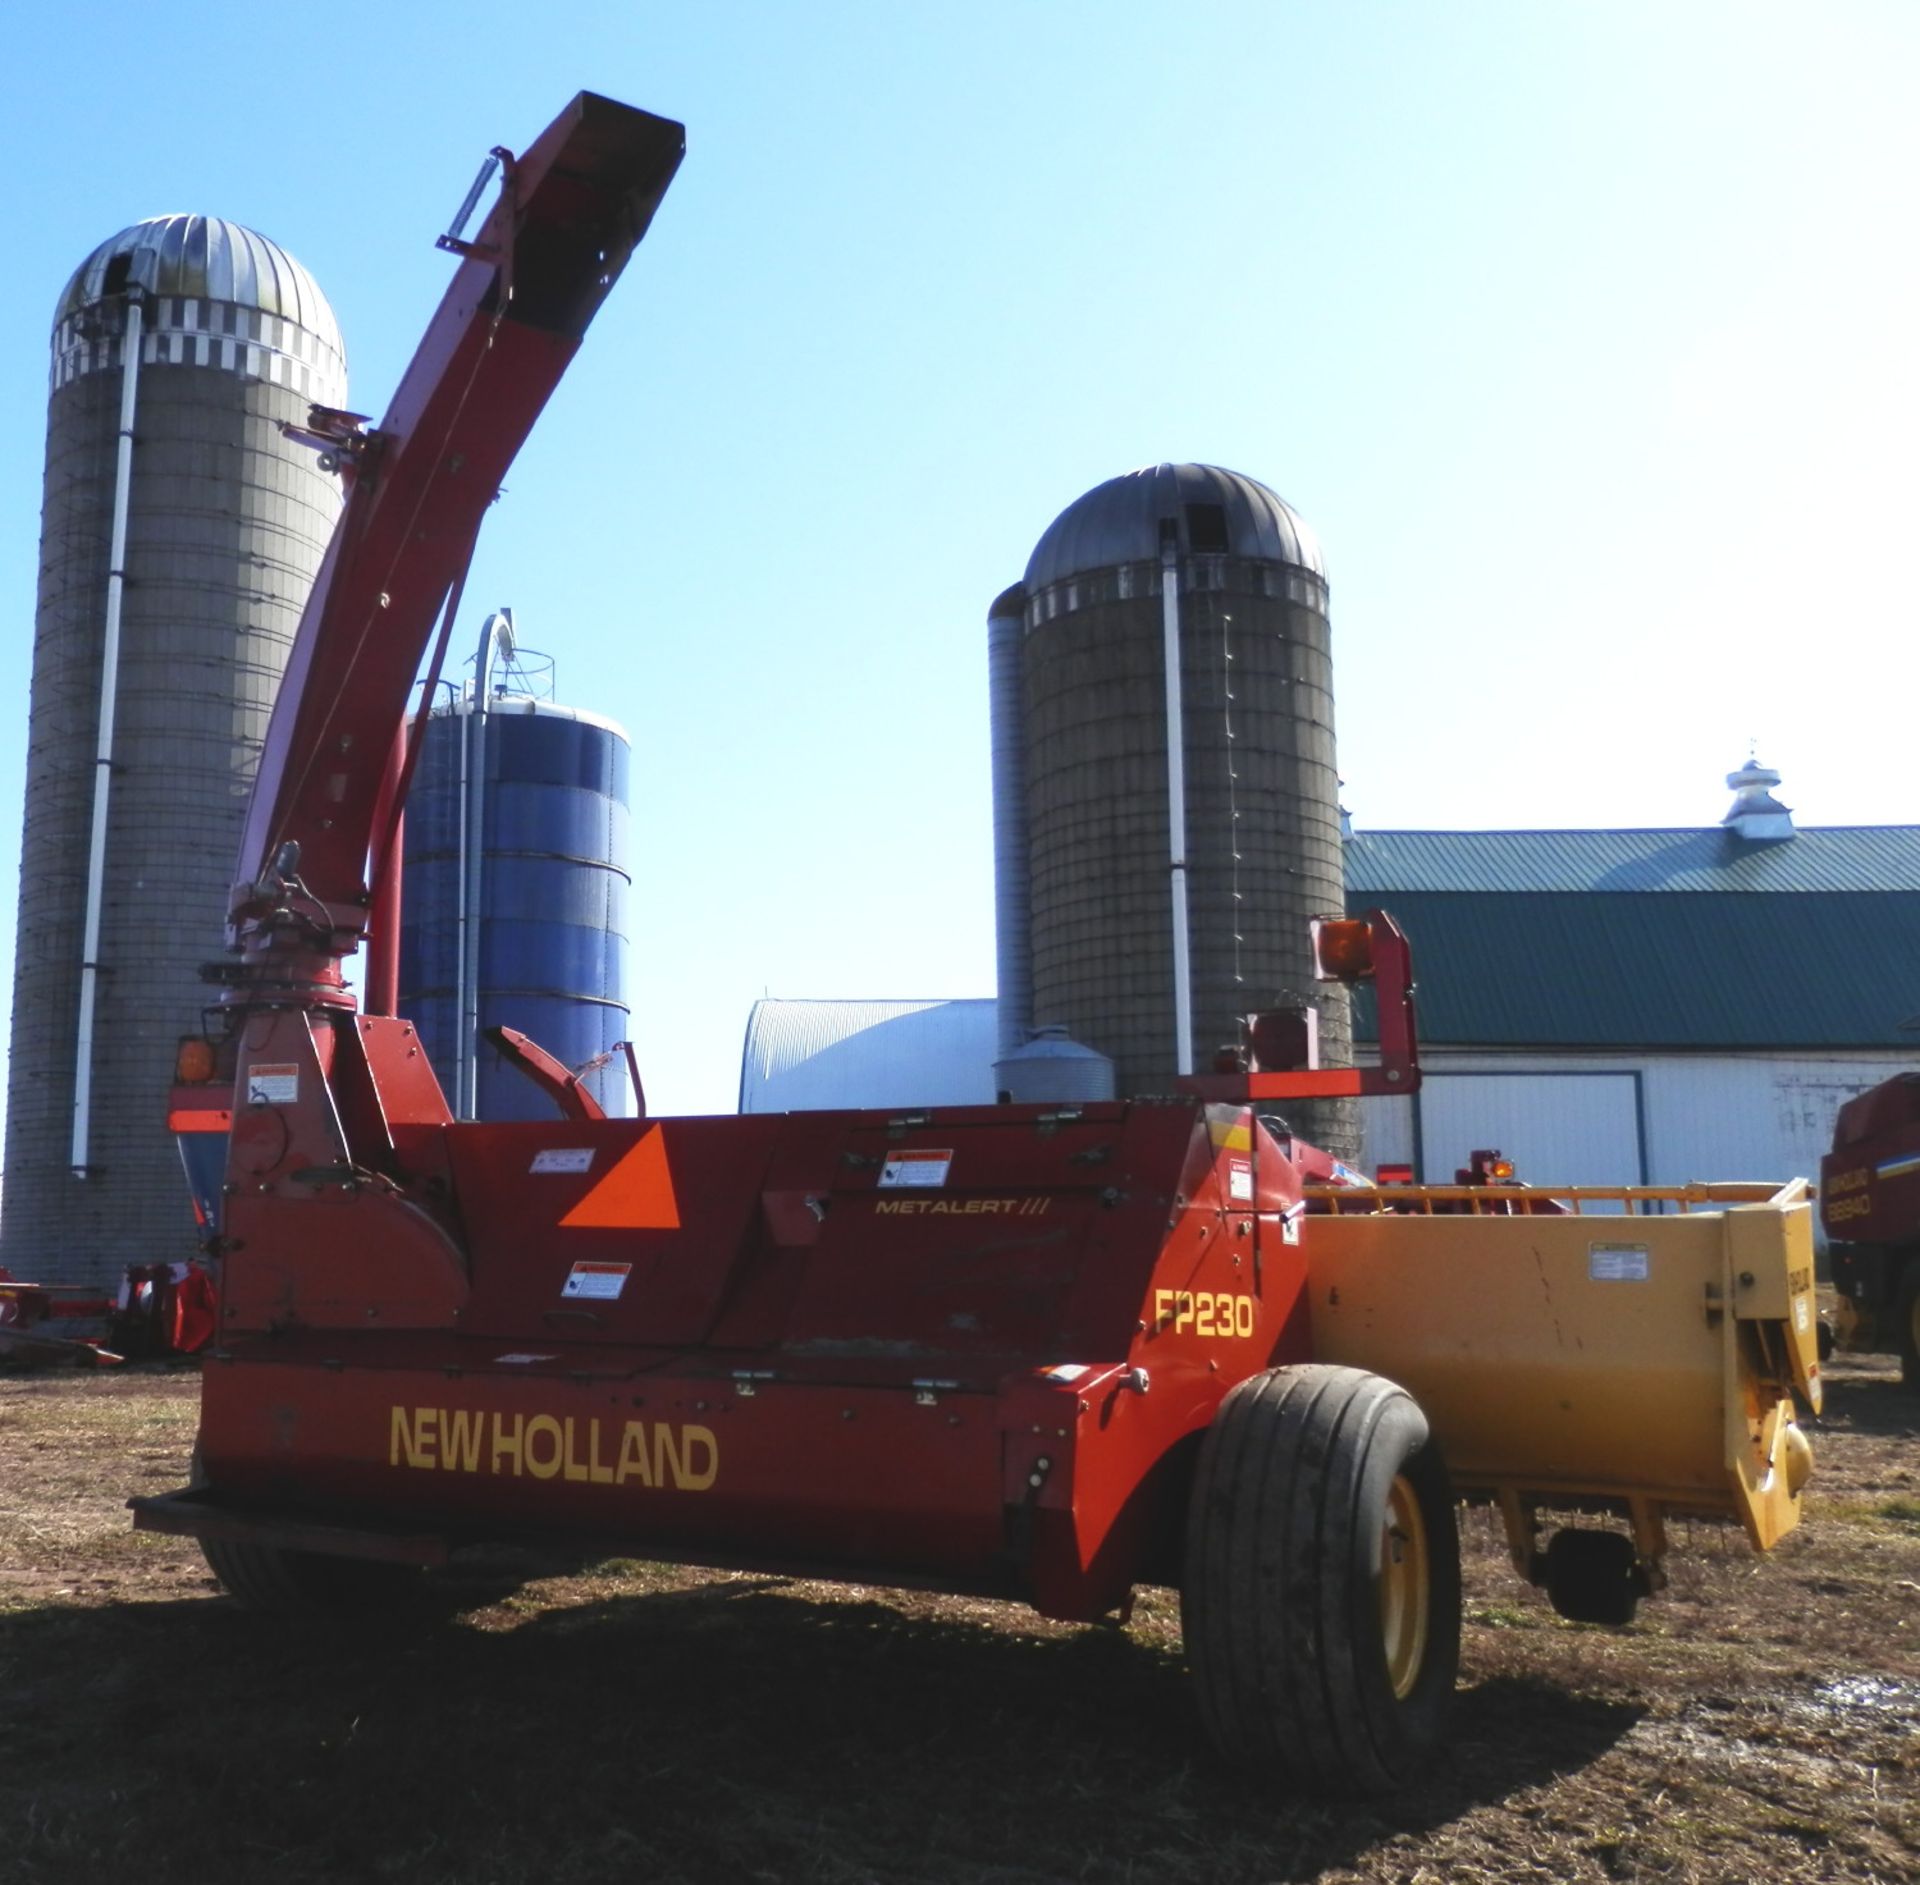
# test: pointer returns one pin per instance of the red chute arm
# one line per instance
(569, 215)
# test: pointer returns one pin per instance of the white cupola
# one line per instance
(1755, 814)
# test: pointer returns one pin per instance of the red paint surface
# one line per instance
(993, 1381)
(882, 1370)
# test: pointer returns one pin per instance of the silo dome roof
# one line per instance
(205, 258)
(1119, 522)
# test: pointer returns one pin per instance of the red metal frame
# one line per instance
(384, 912)
(512, 318)
(1390, 970)
(973, 1347)
(553, 1077)
(770, 1350)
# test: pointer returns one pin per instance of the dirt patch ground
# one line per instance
(1760, 1721)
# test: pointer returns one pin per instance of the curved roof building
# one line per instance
(802, 1056)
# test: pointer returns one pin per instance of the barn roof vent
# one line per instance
(1755, 814)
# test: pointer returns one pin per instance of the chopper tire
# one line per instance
(275, 1582)
(1321, 1595)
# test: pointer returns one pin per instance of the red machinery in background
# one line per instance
(1045, 1352)
(1870, 1206)
(160, 1310)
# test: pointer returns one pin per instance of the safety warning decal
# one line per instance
(636, 1193)
(1239, 1181)
(563, 1158)
(601, 1282)
(915, 1168)
(273, 1085)
(1617, 1263)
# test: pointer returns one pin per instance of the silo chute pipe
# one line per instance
(497, 633)
(1177, 809)
(103, 751)
(1013, 929)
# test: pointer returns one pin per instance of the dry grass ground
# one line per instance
(1761, 1721)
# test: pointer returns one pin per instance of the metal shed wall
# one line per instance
(805, 1056)
(1572, 1118)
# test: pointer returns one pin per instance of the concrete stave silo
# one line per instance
(1218, 563)
(176, 555)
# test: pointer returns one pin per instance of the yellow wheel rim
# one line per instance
(1406, 1594)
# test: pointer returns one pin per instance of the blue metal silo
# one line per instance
(514, 904)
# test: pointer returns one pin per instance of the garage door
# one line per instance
(1558, 1128)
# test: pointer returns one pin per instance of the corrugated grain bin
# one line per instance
(1052, 1070)
(552, 902)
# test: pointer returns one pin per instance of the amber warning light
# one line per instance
(1343, 949)
(193, 1061)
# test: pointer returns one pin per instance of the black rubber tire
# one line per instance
(1280, 1601)
(308, 1583)
(1593, 1576)
(1906, 1317)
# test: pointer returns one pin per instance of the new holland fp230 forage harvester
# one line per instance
(1046, 1352)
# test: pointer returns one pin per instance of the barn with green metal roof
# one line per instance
(1606, 1007)
(1648, 1006)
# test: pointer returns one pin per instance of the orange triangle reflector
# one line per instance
(636, 1195)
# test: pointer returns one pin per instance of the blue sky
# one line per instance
(1583, 334)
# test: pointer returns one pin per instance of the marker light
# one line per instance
(1343, 949)
(193, 1061)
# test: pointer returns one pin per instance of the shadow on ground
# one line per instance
(735, 1731)
(1875, 1404)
